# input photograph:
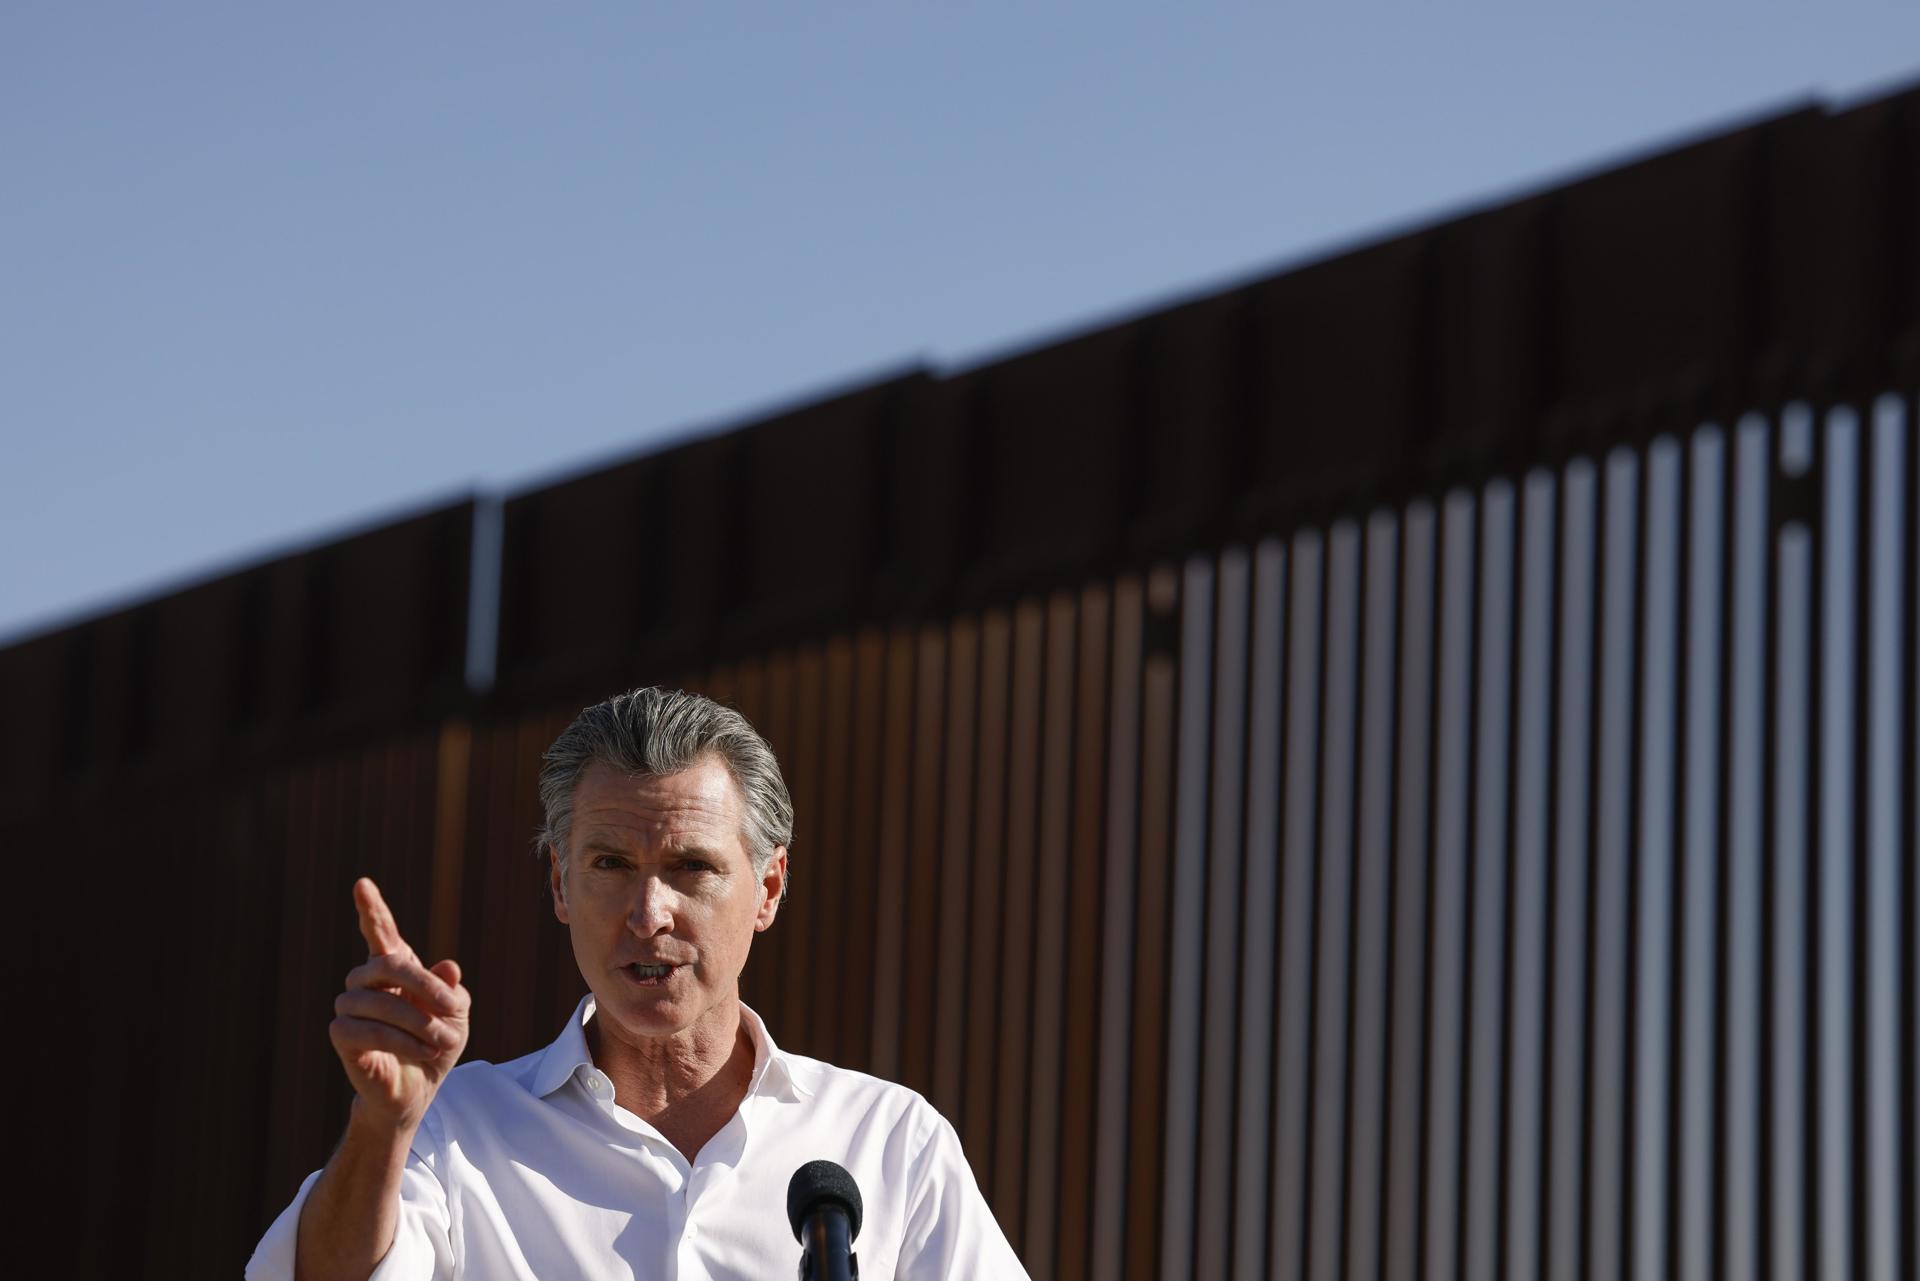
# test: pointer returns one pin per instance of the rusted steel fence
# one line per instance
(1403, 769)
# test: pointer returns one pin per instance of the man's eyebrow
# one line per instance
(694, 850)
(671, 846)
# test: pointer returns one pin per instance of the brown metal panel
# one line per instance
(750, 691)
(1653, 291)
(1908, 1202)
(1489, 366)
(228, 1096)
(1610, 868)
(93, 843)
(1259, 910)
(1841, 251)
(1490, 859)
(1146, 1108)
(421, 778)
(1448, 904)
(270, 691)
(890, 880)
(1107, 1058)
(151, 1209)
(47, 1134)
(1887, 1099)
(804, 975)
(453, 769)
(1055, 433)
(620, 568)
(1372, 902)
(217, 1091)
(1186, 947)
(383, 641)
(1340, 378)
(722, 685)
(1008, 1185)
(1663, 780)
(100, 671)
(556, 981)
(507, 997)
(1738, 1215)
(368, 846)
(235, 1204)
(1333, 942)
(1699, 920)
(1191, 376)
(180, 690)
(211, 1098)
(859, 957)
(32, 678)
(482, 966)
(1085, 880)
(805, 563)
(562, 985)
(345, 947)
(955, 965)
(505, 911)
(287, 1060)
(1289, 1192)
(831, 854)
(336, 947)
(761, 699)
(196, 823)
(1219, 1131)
(783, 950)
(929, 501)
(336, 940)
(987, 947)
(922, 859)
(1047, 973)
(1529, 946)
(395, 835)
(1563, 1182)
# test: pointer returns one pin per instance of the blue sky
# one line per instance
(268, 271)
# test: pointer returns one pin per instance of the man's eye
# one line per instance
(607, 862)
(696, 865)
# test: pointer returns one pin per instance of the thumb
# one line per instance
(448, 971)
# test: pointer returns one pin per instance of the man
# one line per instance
(656, 1136)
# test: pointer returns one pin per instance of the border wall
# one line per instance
(1403, 768)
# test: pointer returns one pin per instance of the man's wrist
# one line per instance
(370, 1131)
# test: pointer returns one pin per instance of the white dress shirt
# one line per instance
(529, 1169)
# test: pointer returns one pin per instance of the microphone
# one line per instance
(823, 1205)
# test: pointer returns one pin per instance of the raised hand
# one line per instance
(399, 1026)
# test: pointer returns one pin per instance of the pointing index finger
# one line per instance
(376, 920)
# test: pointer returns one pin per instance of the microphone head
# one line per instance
(817, 1182)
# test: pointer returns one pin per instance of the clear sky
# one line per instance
(271, 270)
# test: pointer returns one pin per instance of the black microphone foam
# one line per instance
(819, 1181)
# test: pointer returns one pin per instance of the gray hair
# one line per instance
(661, 732)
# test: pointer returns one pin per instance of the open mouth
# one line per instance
(647, 975)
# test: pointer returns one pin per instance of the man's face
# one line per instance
(661, 898)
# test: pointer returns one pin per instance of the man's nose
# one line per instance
(652, 911)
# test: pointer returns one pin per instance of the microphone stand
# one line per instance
(826, 1246)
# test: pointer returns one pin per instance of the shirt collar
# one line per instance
(774, 1070)
(567, 1055)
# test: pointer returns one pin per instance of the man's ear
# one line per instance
(556, 877)
(773, 883)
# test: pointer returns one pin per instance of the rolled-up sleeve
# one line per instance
(422, 1242)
